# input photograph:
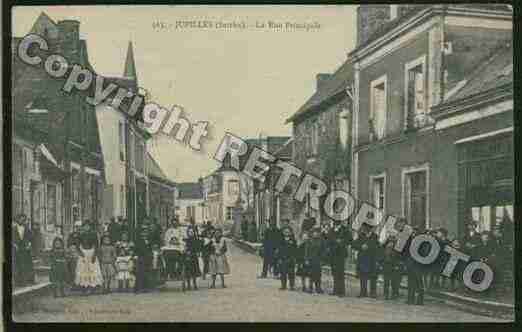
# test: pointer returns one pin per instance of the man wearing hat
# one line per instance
(337, 238)
(366, 245)
(271, 241)
(471, 238)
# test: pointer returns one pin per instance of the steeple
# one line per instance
(130, 66)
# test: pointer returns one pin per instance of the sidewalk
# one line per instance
(466, 303)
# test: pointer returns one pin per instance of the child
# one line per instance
(218, 263)
(123, 267)
(190, 260)
(132, 267)
(391, 269)
(171, 254)
(286, 255)
(457, 273)
(124, 243)
(107, 260)
(158, 264)
(59, 270)
(314, 254)
(302, 268)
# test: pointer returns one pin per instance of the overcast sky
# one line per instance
(243, 81)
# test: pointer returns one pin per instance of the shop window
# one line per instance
(482, 215)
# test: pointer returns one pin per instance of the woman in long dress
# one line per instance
(218, 263)
(88, 271)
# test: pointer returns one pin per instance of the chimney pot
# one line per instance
(322, 79)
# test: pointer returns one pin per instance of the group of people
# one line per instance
(91, 261)
(327, 245)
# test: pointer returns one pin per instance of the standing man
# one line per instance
(338, 237)
(22, 238)
(270, 244)
(244, 228)
(115, 229)
(307, 225)
(155, 232)
(366, 245)
(144, 257)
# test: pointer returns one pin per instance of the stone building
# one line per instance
(322, 136)
(58, 170)
(420, 100)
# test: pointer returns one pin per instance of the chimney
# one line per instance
(369, 19)
(322, 79)
(68, 43)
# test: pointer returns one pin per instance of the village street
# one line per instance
(246, 299)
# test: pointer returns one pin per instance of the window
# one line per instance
(50, 220)
(131, 150)
(415, 190)
(122, 200)
(378, 108)
(35, 159)
(229, 212)
(121, 135)
(344, 123)
(379, 192)
(233, 187)
(415, 93)
(315, 137)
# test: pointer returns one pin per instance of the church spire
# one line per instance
(130, 66)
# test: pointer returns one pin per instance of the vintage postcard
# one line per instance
(340, 163)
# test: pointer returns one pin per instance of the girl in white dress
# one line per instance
(218, 263)
(88, 271)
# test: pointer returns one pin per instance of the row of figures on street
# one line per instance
(93, 262)
(318, 246)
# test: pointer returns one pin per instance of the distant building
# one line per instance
(263, 197)
(189, 202)
(322, 130)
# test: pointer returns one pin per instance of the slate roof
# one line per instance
(336, 84)
(286, 151)
(494, 72)
(190, 190)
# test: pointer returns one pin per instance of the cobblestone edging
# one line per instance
(465, 303)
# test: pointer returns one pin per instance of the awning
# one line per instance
(49, 166)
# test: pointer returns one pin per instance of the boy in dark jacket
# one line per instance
(391, 264)
(286, 254)
(415, 272)
(314, 256)
(366, 245)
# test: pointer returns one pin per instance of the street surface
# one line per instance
(246, 299)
